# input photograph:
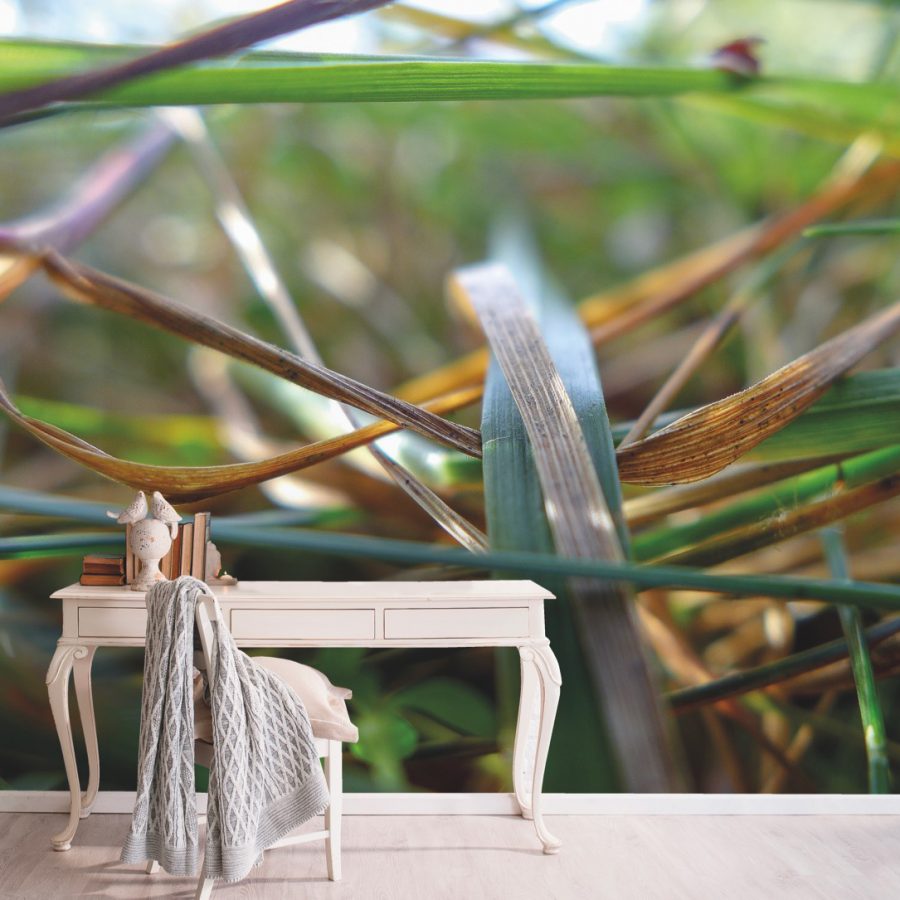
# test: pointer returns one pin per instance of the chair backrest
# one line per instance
(207, 612)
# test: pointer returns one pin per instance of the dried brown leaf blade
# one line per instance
(183, 484)
(706, 440)
(83, 283)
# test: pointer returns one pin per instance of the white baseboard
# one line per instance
(505, 804)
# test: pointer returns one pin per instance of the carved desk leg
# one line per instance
(58, 690)
(82, 676)
(546, 669)
(527, 726)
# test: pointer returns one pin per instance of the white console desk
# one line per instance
(325, 614)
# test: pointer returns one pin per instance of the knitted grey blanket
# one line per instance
(265, 778)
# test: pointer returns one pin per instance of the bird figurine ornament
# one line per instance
(153, 529)
(134, 513)
(162, 510)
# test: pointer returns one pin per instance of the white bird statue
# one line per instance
(134, 513)
(161, 509)
(152, 532)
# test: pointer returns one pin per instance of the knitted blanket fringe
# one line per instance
(265, 779)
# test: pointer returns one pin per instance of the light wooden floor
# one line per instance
(497, 858)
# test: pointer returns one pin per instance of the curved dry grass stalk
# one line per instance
(705, 344)
(777, 529)
(219, 41)
(800, 743)
(705, 441)
(80, 282)
(65, 223)
(698, 445)
(14, 271)
(689, 669)
(238, 224)
(581, 523)
(183, 484)
(239, 431)
(712, 263)
(621, 309)
(739, 479)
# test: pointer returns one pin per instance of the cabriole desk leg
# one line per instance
(549, 679)
(81, 673)
(527, 725)
(58, 690)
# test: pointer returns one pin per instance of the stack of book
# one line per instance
(104, 570)
(187, 556)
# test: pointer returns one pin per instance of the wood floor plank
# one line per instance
(498, 858)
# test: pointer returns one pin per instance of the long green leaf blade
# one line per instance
(514, 508)
(581, 524)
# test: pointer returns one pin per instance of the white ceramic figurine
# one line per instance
(152, 531)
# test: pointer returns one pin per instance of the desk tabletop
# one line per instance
(486, 590)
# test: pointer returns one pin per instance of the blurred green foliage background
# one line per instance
(366, 208)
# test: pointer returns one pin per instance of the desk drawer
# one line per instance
(446, 622)
(101, 621)
(303, 624)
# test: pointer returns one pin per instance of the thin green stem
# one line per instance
(856, 593)
(861, 663)
(775, 672)
(868, 227)
(789, 494)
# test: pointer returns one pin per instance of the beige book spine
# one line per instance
(187, 548)
(130, 569)
(201, 528)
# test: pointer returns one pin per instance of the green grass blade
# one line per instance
(517, 522)
(34, 546)
(737, 683)
(297, 78)
(771, 502)
(870, 711)
(869, 227)
(863, 594)
(603, 613)
(826, 112)
(218, 41)
(859, 412)
(37, 503)
(268, 77)
(161, 439)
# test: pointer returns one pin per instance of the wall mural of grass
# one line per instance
(244, 276)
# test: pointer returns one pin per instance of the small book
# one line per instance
(177, 550)
(165, 564)
(198, 550)
(101, 570)
(130, 558)
(103, 564)
(187, 547)
(97, 580)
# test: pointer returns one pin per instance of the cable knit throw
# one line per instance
(265, 778)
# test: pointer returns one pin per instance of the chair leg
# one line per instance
(204, 888)
(334, 777)
(152, 867)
